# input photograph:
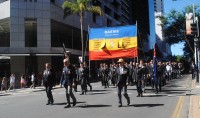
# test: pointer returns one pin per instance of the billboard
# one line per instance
(113, 42)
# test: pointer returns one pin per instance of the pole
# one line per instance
(195, 45)
(197, 38)
(197, 65)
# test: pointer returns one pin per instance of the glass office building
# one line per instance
(32, 32)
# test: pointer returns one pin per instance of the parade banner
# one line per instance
(113, 42)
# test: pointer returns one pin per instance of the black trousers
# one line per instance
(49, 93)
(158, 84)
(83, 85)
(122, 90)
(69, 93)
(139, 86)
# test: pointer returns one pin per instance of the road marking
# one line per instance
(178, 108)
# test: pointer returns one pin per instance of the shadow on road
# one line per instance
(94, 106)
(64, 103)
(156, 95)
(98, 93)
(101, 90)
(146, 105)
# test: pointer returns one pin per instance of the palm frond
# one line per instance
(69, 8)
(69, 5)
(96, 9)
(67, 12)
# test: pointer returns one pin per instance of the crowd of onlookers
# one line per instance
(31, 81)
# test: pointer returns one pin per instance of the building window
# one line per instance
(62, 33)
(94, 18)
(30, 32)
(53, 1)
(5, 32)
(109, 22)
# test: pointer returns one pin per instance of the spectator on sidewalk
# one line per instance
(193, 69)
(22, 81)
(12, 82)
(33, 79)
(4, 84)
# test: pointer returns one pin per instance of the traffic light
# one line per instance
(194, 28)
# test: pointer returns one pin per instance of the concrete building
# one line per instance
(32, 32)
(159, 11)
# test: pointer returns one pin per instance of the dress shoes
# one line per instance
(81, 94)
(74, 103)
(128, 102)
(48, 103)
(67, 106)
(141, 95)
(120, 105)
(138, 95)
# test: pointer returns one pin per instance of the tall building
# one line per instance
(32, 32)
(159, 11)
(145, 12)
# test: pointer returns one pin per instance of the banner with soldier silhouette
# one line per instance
(113, 42)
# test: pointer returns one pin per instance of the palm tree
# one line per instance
(80, 7)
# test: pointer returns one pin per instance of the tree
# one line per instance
(80, 7)
(173, 25)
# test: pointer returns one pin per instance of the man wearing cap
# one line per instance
(49, 82)
(122, 74)
(68, 74)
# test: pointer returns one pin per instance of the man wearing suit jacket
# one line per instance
(122, 75)
(83, 75)
(49, 81)
(68, 75)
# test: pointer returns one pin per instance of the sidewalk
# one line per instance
(25, 90)
(194, 108)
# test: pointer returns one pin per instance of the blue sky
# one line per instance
(179, 5)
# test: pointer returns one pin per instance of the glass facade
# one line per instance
(5, 32)
(30, 32)
(62, 33)
(4, 68)
(31, 64)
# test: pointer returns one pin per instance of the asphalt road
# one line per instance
(100, 103)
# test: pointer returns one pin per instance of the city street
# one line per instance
(100, 103)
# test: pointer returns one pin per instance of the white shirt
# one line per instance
(121, 70)
(32, 78)
(169, 68)
(12, 79)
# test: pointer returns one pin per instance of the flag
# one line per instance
(154, 64)
(113, 42)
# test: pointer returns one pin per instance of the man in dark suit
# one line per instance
(49, 81)
(83, 75)
(68, 74)
(122, 75)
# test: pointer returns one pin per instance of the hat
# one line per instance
(120, 60)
